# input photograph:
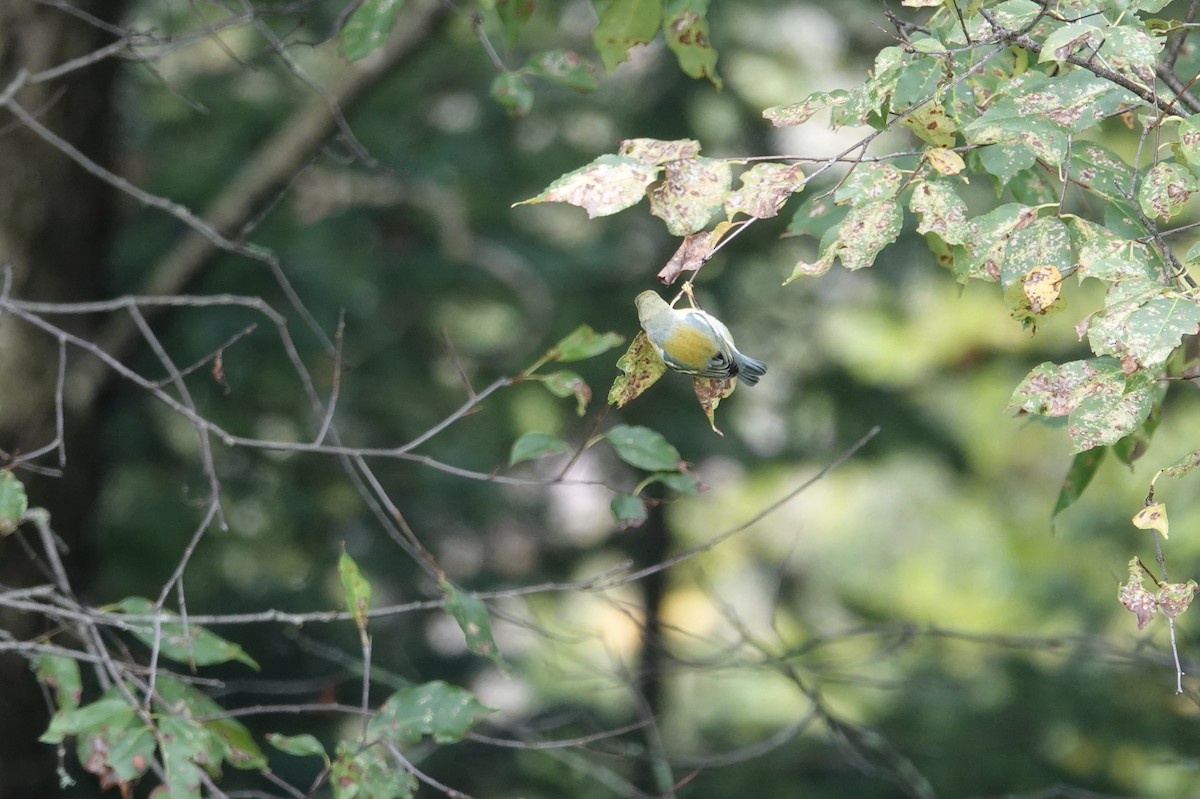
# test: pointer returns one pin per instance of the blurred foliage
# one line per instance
(910, 624)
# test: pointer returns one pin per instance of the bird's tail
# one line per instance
(750, 369)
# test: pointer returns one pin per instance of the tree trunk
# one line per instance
(56, 225)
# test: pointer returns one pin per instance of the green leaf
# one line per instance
(623, 24)
(816, 215)
(1184, 465)
(514, 14)
(1100, 170)
(1166, 189)
(301, 745)
(184, 745)
(685, 28)
(866, 230)
(1102, 254)
(109, 737)
(629, 511)
(683, 482)
(608, 184)
(644, 448)
(356, 591)
(1101, 404)
(436, 708)
(369, 774)
(765, 188)
(62, 674)
(564, 68)
(473, 619)
(941, 211)
(918, 82)
(183, 643)
(1003, 161)
(1083, 468)
(1130, 50)
(867, 183)
(13, 502)
(569, 384)
(1189, 140)
(657, 152)
(640, 366)
(368, 28)
(1065, 40)
(532, 446)
(1143, 322)
(986, 251)
(932, 124)
(786, 116)
(109, 711)
(1043, 241)
(509, 89)
(582, 343)
(691, 192)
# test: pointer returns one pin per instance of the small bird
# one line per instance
(694, 342)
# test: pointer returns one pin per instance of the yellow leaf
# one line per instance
(945, 161)
(1042, 286)
(1152, 517)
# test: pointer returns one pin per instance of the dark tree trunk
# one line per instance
(56, 225)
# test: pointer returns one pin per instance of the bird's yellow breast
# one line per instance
(690, 346)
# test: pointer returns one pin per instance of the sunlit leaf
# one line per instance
(868, 183)
(783, 116)
(692, 253)
(641, 367)
(356, 591)
(438, 709)
(945, 161)
(866, 230)
(1152, 517)
(764, 189)
(623, 24)
(691, 191)
(608, 184)
(656, 152)
(685, 28)
(932, 125)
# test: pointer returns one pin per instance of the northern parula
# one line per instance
(694, 342)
